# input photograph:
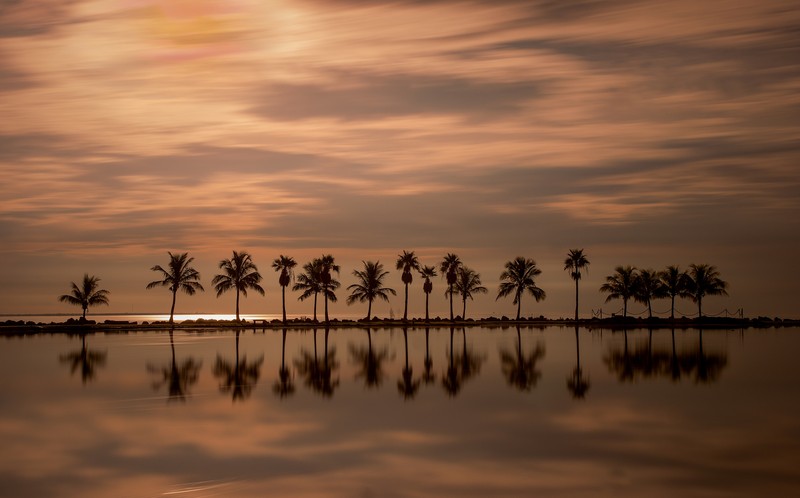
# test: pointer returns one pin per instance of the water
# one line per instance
(655, 414)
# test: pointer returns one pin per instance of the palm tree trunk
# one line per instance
(576, 300)
(464, 311)
(519, 306)
(450, 291)
(427, 317)
(649, 310)
(699, 307)
(84, 312)
(672, 309)
(237, 310)
(625, 310)
(315, 306)
(283, 302)
(405, 309)
(325, 291)
(369, 309)
(172, 309)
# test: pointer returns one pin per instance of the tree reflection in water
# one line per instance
(317, 373)
(407, 386)
(460, 368)
(177, 377)
(283, 386)
(428, 375)
(85, 360)
(577, 385)
(520, 369)
(238, 378)
(370, 362)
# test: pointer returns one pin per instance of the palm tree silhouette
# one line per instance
(370, 362)
(575, 262)
(451, 380)
(407, 262)
(85, 360)
(177, 377)
(369, 286)
(449, 268)
(621, 285)
(648, 287)
(703, 280)
(427, 272)
(577, 385)
(240, 377)
(240, 273)
(285, 265)
(329, 284)
(407, 385)
(520, 369)
(673, 281)
(310, 282)
(467, 284)
(518, 278)
(318, 373)
(283, 386)
(179, 275)
(87, 294)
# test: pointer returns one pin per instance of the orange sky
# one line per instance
(648, 133)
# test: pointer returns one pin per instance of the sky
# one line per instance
(648, 133)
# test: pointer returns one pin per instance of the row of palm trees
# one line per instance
(240, 274)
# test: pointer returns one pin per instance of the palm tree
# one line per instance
(518, 278)
(648, 287)
(285, 265)
(329, 284)
(310, 282)
(621, 285)
(369, 286)
(179, 275)
(467, 284)
(575, 262)
(87, 294)
(240, 273)
(703, 280)
(673, 281)
(449, 268)
(427, 272)
(407, 262)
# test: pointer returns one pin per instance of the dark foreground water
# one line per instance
(481, 412)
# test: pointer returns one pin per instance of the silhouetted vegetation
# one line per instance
(407, 386)
(283, 387)
(517, 278)
(468, 283)
(521, 369)
(316, 372)
(237, 378)
(179, 275)
(703, 280)
(87, 294)
(239, 273)
(575, 262)
(85, 360)
(449, 268)
(369, 362)
(285, 265)
(621, 285)
(648, 287)
(427, 272)
(178, 377)
(577, 384)
(369, 286)
(407, 262)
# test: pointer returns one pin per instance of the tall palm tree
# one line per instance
(449, 268)
(240, 273)
(427, 272)
(87, 294)
(575, 262)
(407, 262)
(648, 287)
(621, 285)
(310, 282)
(285, 265)
(179, 275)
(704, 280)
(673, 281)
(329, 284)
(518, 278)
(369, 286)
(467, 284)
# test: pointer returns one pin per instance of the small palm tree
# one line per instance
(449, 268)
(427, 272)
(369, 286)
(285, 265)
(240, 273)
(310, 282)
(179, 275)
(407, 262)
(648, 287)
(703, 280)
(467, 284)
(575, 262)
(329, 284)
(621, 285)
(87, 294)
(673, 280)
(518, 278)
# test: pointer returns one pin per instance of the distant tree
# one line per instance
(87, 294)
(407, 262)
(179, 275)
(621, 285)
(310, 282)
(329, 284)
(369, 285)
(575, 262)
(467, 284)
(427, 272)
(648, 287)
(673, 280)
(518, 278)
(704, 281)
(285, 265)
(239, 273)
(449, 268)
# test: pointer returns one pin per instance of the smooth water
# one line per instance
(475, 412)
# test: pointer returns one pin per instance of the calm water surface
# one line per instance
(481, 412)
